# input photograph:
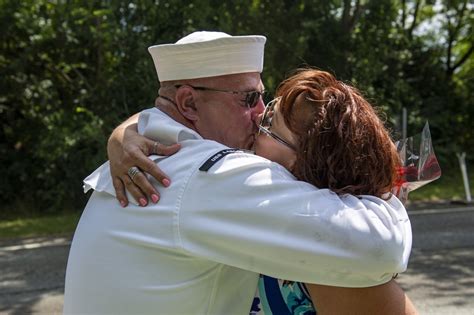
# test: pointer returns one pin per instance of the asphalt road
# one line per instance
(32, 276)
(440, 275)
(439, 280)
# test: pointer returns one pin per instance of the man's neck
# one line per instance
(171, 110)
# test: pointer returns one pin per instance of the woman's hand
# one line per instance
(127, 151)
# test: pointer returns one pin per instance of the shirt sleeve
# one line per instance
(251, 213)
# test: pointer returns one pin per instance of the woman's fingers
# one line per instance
(120, 191)
(134, 190)
(137, 183)
(129, 166)
(143, 183)
(167, 150)
(152, 169)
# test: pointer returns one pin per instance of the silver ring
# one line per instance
(155, 146)
(133, 171)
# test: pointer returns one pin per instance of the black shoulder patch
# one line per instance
(216, 157)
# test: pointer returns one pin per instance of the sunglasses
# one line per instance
(266, 124)
(251, 97)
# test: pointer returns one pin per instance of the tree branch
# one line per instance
(404, 7)
(415, 19)
(452, 34)
(355, 15)
(461, 60)
(460, 15)
(450, 45)
(350, 15)
(346, 13)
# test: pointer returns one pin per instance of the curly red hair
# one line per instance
(343, 144)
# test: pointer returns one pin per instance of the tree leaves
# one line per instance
(72, 70)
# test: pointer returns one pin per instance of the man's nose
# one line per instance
(258, 110)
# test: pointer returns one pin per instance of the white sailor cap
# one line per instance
(208, 54)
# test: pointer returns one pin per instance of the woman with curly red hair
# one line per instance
(327, 134)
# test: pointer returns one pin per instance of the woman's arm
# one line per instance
(387, 299)
(125, 149)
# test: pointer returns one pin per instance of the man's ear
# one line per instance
(185, 102)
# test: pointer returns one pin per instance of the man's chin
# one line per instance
(247, 144)
(251, 144)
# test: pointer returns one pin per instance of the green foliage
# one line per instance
(59, 224)
(449, 186)
(72, 70)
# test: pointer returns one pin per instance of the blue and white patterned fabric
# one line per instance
(281, 297)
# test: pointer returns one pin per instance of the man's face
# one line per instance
(223, 116)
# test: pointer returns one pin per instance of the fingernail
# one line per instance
(123, 203)
(166, 182)
(155, 198)
(142, 202)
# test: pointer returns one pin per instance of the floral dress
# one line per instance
(275, 297)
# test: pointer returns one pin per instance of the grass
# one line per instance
(448, 187)
(60, 224)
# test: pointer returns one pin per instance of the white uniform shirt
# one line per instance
(199, 250)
